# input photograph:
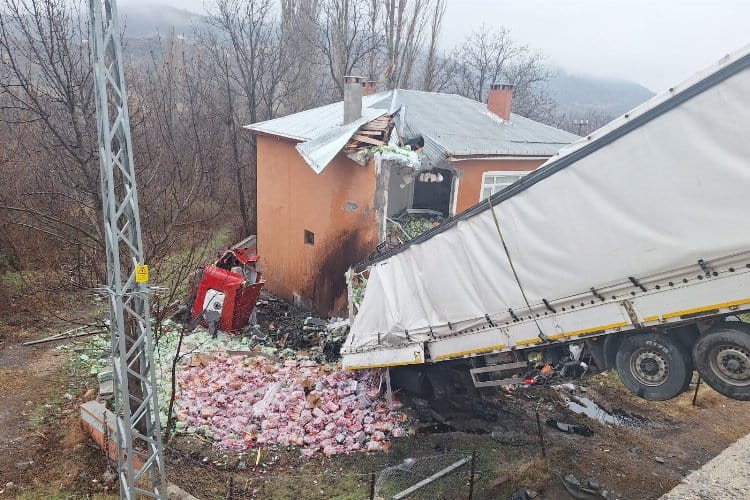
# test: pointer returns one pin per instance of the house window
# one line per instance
(492, 182)
(309, 237)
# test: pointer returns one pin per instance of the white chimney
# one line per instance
(352, 98)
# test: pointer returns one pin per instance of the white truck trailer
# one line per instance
(633, 241)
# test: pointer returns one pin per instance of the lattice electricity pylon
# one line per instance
(140, 456)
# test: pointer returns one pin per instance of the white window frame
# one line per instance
(519, 173)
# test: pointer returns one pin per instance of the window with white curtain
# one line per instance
(492, 182)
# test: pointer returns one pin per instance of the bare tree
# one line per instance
(432, 64)
(404, 23)
(255, 73)
(47, 106)
(178, 157)
(50, 198)
(346, 39)
(307, 87)
(488, 57)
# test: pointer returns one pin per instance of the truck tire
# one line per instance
(653, 366)
(722, 357)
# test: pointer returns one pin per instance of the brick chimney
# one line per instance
(352, 98)
(369, 87)
(500, 99)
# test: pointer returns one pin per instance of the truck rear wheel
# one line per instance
(722, 357)
(655, 367)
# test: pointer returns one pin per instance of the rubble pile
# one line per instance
(336, 331)
(407, 226)
(288, 326)
(244, 402)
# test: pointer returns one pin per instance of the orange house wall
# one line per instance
(292, 198)
(471, 182)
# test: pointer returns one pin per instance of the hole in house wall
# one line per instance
(309, 237)
(433, 191)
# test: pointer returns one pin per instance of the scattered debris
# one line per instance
(584, 406)
(588, 491)
(521, 494)
(581, 430)
(659, 460)
(411, 223)
(422, 408)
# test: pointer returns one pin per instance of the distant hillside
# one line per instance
(579, 94)
(143, 21)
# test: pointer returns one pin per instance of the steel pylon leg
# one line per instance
(140, 455)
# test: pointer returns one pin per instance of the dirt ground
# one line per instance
(44, 454)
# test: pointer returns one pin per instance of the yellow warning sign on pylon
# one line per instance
(141, 274)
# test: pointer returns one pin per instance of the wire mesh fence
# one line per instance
(447, 475)
(441, 475)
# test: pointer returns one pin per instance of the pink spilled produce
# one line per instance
(242, 403)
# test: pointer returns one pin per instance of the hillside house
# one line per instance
(330, 178)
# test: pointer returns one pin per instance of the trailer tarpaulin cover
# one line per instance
(660, 188)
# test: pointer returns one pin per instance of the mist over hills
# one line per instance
(576, 94)
(147, 20)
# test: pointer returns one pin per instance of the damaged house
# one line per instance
(335, 182)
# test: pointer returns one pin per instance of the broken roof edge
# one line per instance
(319, 152)
(271, 126)
(724, 68)
(248, 129)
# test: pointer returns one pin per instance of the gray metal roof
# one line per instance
(451, 125)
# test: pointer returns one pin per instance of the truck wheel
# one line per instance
(655, 367)
(722, 357)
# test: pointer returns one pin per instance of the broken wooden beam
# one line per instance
(368, 140)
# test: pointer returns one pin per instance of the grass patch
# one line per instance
(13, 281)
(44, 414)
(610, 379)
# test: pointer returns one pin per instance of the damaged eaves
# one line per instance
(321, 150)
(374, 133)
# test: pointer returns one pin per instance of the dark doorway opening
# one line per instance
(432, 190)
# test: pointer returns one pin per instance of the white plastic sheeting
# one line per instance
(671, 191)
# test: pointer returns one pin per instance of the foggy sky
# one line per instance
(656, 43)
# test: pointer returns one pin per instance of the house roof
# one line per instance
(453, 127)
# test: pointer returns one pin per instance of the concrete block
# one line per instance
(105, 375)
(106, 388)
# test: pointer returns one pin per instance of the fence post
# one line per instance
(230, 488)
(473, 470)
(697, 386)
(541, 435)
(372, 486)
